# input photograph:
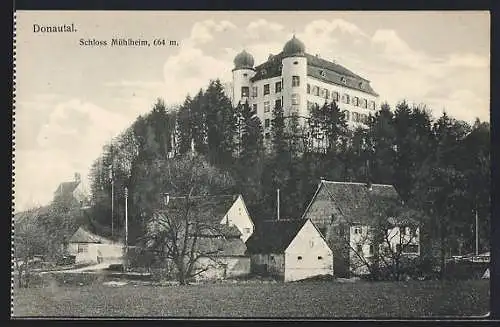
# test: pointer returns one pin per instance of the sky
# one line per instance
(70, 100)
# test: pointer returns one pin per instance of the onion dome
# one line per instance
(243, 60)
(294, 47)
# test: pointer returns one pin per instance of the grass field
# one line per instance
(298, 300)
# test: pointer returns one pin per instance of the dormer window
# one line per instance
(343, 80)
(295, 62)
(245, 75)
(263, 72)
(360, 84)
(322, 73)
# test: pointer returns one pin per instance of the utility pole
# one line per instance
(477, 233)
(112, 199)
(278, 203)
(126, 228)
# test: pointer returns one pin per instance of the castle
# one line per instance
(296, 81)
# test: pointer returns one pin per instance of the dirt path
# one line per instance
(100, 266)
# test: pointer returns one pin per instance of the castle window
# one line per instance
(255, 91)
(343, 80)
(266, 106)
(277, 103)
(245, 90)
(266, 89)
(267, 123)
(327, 95)
(355, 101)
(295, 81)
(245, 75)
(322, 73)
(372, 105)
(364, 118)
(308, 88)
(295, 99)
(360, 84)
(278, 87)
(254, 107)
(315, 90)
(323, 93)
(295, 62)
(345, 98)
(364, 103)
(355, 117)
(263, 72)
(346, 115)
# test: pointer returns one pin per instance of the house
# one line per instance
(73, 193)
(356, 220)
(91, 248)
(290, 250)
(224, 226)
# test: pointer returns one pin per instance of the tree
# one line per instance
(175, 235)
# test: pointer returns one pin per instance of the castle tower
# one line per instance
(242, 72)
(294, 75)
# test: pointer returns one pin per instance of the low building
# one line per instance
(355, 220)
(290, 250)
(90, 248)
(224, 224)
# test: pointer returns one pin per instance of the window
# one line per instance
(267, 107)
(357, 230)
(267, 123)
(364, 103)
(355, 101)
(245, 90)
(310, 105)
(267, 136)
(343, 80)
(315, 90)
(277, 87)
(255, 91)
(371, 249)
(277, 103)
(266, 89)
(360, 84)
(346, 114)
(323, 93)
(322, 73)
(299, 258)
(372, 105)
(83, 248)
(295, 62)
(355, 117)
(254, 107)
(327, 95)
(345, 98)
(295, 81)
(320, 258)
(359, 248)
(364, 118)
(295, 99)
(263, 72)
(335, 95)
(308, 88)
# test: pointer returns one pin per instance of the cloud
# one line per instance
(468, 60)
(202, 32)
(69, 141)
(260, 27)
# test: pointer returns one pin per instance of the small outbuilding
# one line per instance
(289, 250)
(91, 248)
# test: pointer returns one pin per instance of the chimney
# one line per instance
(77, 177)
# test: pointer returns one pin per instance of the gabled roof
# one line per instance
(332, 72)
(67, 188)
(82, 235)
(355, 202)
(274, 236)
(210, 209)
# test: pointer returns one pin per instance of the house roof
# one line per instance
(355, 202)
(210, 209)
(274, 236)
(82, 235)
(332, 72)
(67, 187)
(30, 215)
(213, 246)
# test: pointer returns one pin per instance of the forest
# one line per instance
(439, 165)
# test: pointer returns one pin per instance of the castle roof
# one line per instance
(243, 60)
(318, 68)
(294, 47)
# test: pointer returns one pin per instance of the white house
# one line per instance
(290, 250)
(222, 245)
(349, 215)
(91, 248)
(296, 80)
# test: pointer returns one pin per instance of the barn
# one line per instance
(289, 250)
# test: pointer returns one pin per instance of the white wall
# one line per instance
(223, 267)
(112, 253)
(316, 256)
(261, 98)
(238, 215)
(291, 69)
(240, 80)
